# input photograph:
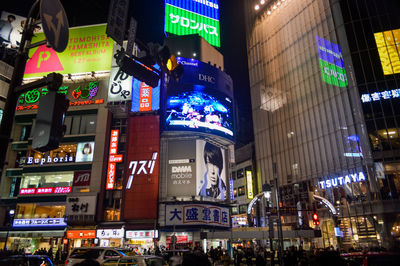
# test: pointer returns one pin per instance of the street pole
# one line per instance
(280, 234)
(16, 80)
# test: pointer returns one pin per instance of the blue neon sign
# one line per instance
(39, 222)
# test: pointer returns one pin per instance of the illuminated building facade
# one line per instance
(324, 86)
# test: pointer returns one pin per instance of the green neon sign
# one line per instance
(181, 22)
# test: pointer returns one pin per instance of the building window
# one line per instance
(243, 208)
(240, 173)
(241, 191)
(36, 210)
(39, 180)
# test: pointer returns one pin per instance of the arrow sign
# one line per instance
(55, 24)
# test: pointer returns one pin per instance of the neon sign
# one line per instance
(342, 180)
(377, 96)
(39, 222)
(113, 159)
(146, 167)
(45, 190)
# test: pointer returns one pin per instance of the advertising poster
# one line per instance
(193, 17)
(89, 49)
(84, 152)
(211, 170)
(331, 63)
(142, 173)
(11, 27)
(181, 172)
(144, 97)
(201, 101)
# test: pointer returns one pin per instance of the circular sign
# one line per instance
(55, 24)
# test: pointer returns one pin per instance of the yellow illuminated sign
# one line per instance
(249, 177)
(388, 43)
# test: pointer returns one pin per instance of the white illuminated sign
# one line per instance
(142, 234)
(342, 180)
(377, 96)
(146, 167)
(110, 233)
(48, 160)
(39, 222)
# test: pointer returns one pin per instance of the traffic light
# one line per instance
(315, 219)
(167, 61)
(136, 69)
(49, 128)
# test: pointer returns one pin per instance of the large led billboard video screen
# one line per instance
(201, 101)
(388, 49)
(331, 63)
(185, 17)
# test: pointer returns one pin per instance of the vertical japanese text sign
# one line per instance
(113, 158)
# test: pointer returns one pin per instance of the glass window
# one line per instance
(88, 124)
(38, 180)
(36, 210)
(76, 124)
(111, 253)
(243, 208)
(240, 173)
(25, 132)
(241, 191)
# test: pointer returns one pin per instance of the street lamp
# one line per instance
(11, 215)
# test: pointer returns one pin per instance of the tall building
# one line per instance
(324, 90)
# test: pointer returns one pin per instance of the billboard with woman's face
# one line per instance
(84, 152)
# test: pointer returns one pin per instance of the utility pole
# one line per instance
(16, 80)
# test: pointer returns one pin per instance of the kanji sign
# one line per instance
(197, 214)
(113, 159)
(41, 222)
(141, 234)
(80, 234)
(110, 233)
(82, 205)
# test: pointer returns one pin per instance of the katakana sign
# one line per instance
(197, 214)
(193, 17)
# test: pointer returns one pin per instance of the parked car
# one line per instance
(28, 260)
(145, 260)
(96, 253)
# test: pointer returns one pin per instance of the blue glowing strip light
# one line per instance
(207, 8)
(383, 95)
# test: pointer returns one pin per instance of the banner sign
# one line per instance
(196, 214)
(45, 190)
(40, 222)
(88, 49)
(81, 234)
(187, 17)
(111, 162)
(120, 86)
(331, 63)
(144, 97)
(110, 233)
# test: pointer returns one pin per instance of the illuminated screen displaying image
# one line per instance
(331, 63)
(197, 108)
(84, 152)
(388, 49)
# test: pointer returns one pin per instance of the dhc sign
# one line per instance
(342, 180)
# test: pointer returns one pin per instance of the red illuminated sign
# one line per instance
(73, 234)
(27, 191)
(113, 159)
(36, 106)
(45, 190)
(82, 178)
(145, 97)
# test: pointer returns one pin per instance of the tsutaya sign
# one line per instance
(342, 180)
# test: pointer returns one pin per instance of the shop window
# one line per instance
(235, 193)
(38, 180)
(112, 215)
(235, 210)
(35, 211)
(15, 185)
(241, 191)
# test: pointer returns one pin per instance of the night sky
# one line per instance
(150, 17)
